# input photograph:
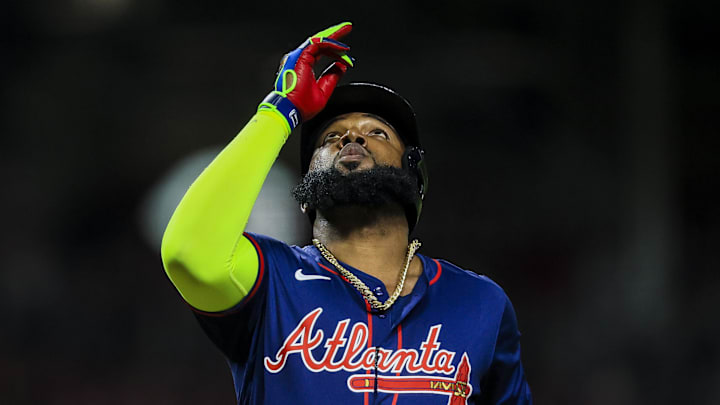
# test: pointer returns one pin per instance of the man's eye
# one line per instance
(378, 132)
(331, 137)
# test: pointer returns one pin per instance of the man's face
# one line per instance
(357, 161)
(357, 141)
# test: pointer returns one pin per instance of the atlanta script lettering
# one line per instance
(350, 352)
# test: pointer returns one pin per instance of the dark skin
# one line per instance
(373, 240)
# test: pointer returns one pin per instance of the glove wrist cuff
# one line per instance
(280, 104)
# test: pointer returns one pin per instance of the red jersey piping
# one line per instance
(437, 275)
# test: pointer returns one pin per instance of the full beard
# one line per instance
(377, 187)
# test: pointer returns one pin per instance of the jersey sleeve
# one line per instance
(505, 382)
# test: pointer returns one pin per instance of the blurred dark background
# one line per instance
(572, 154)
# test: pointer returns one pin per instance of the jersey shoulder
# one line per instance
(455, 276)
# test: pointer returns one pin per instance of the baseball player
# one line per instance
(358, 316)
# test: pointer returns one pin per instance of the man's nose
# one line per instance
(352, 136)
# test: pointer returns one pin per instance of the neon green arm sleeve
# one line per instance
(204, 252)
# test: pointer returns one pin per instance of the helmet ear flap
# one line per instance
(413, 160)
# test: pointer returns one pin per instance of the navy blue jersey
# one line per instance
(305, 335)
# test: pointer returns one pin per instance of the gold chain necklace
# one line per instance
(360, 286)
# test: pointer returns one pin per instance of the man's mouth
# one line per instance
(352, 152)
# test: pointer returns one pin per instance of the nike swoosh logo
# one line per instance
(299, 276)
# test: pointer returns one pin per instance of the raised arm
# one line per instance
(204, 252)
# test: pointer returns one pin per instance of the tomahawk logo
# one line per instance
(457, 388)
(350, 352)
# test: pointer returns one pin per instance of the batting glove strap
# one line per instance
(277, 102)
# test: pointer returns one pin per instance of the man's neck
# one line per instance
(372, 240)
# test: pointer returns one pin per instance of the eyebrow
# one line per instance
(368, 115)
(379, 118)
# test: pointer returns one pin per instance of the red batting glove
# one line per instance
(298, 95)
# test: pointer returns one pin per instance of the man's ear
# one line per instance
(304, 208)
